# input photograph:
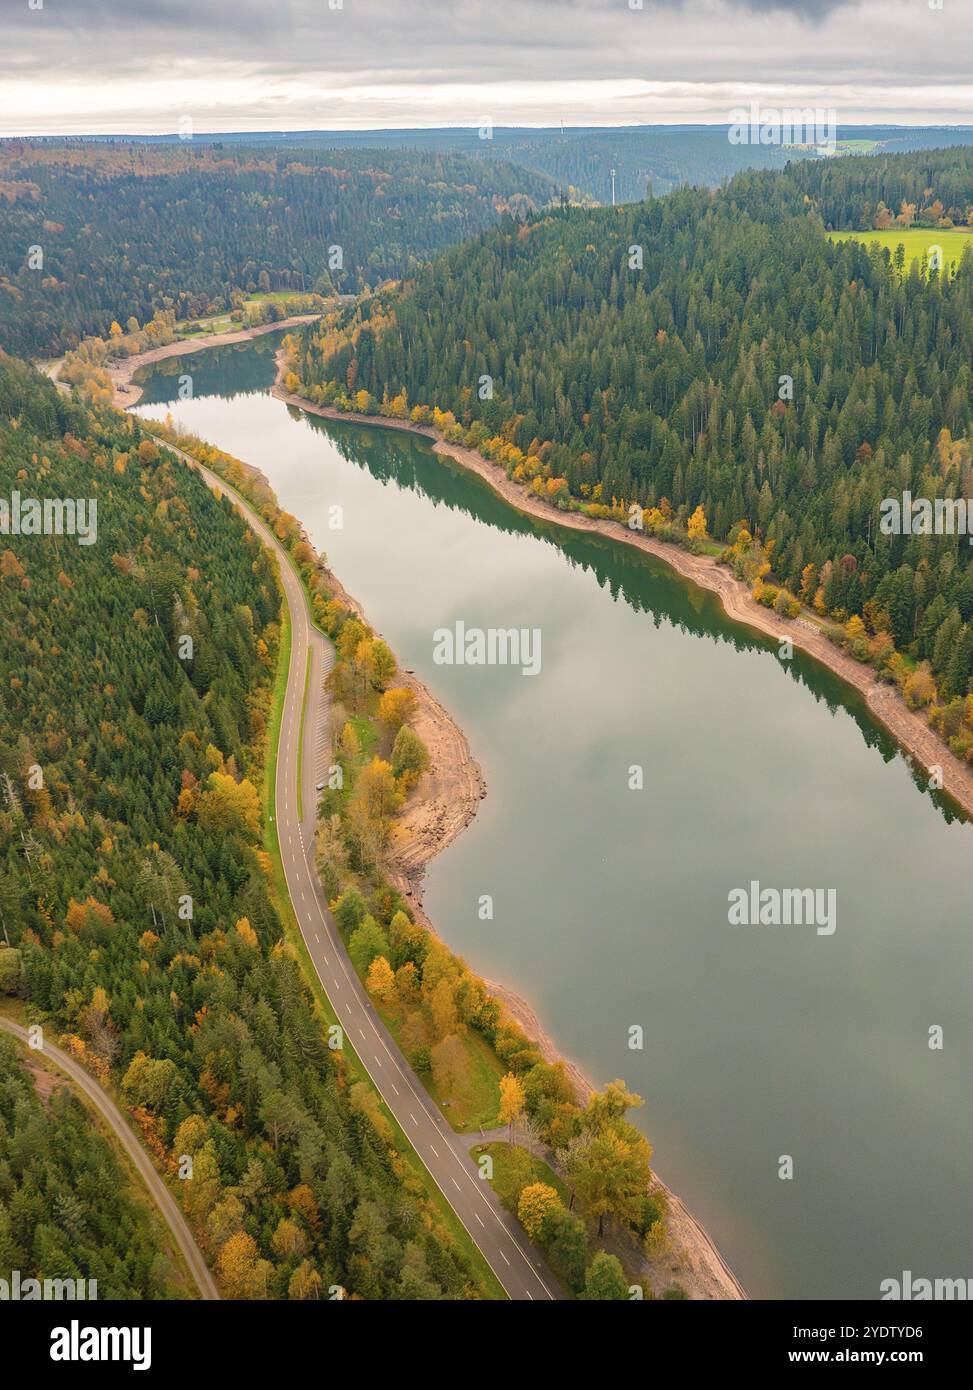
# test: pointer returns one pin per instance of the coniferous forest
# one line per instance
(127, 229)
(134, 887)
(716, 350)
(486, 669)
(67, 1207)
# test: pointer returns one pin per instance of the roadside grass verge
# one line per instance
(514, 1168)
(473, 1102)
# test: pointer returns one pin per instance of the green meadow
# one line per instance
(916, 240)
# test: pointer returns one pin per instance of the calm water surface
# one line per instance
(611, 904)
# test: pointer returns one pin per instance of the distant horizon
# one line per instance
(586, 126)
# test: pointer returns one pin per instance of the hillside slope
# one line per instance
(124, 229)
(714, 351)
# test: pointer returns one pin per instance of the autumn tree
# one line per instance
(511, 1101)
(396, 708)
(410, 756)
(537, 1204)
(450, 1065)
(229, 805)
(241, 1271)
(696, 526)
(380, 980)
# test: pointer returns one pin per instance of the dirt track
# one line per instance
(123, 1132)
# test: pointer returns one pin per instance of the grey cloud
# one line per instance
(422, 45)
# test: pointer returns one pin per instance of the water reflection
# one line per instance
(645, 584)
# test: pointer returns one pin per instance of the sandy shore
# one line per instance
(446, 799)
(909, 729)
(121, 370)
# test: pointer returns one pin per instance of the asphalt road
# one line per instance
(503, 1244)
(119, 1126)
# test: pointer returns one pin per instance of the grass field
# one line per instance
(857, 146)
(514, 1168)
(224, 323)
(915, 240)
(473, 1101)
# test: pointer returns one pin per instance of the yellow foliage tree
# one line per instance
(305, 1282)
(696, 526)
(511, 1100)
(380, 980)
(246, 933)
(376, 788)
(229, 805)
(920, 687)
(854, 628)
(396, 707)
(288, 1239)
(537, 1203)
(241, 1272)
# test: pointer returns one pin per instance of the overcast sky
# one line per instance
(146, 65)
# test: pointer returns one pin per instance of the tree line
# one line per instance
(714, 356)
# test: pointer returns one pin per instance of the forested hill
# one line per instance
(133, 878)
(851, 192)
(125, 229)
(712, 350)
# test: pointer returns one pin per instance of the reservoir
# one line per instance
(762, 1042)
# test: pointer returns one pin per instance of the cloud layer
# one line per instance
(109, 65)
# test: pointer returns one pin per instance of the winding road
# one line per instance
(516, 1264)
(122, 1131)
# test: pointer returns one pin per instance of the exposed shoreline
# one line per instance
(122, 370)
(909, 729)
(448, 795)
